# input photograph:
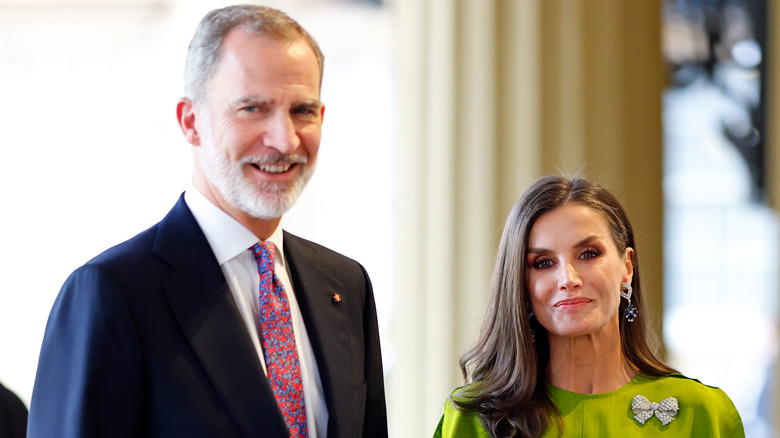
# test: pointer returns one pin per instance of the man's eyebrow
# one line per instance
(254, 101)
(258, 101)
(309, 103)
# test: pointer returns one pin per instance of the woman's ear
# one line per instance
(629, 264)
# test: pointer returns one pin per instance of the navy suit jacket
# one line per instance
(146, 340)
(13, 415)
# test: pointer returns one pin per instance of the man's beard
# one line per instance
(262, 200)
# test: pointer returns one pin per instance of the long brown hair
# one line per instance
(507, 363)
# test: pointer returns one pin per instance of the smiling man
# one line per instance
(216, 322)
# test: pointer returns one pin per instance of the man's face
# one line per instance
(260, 125)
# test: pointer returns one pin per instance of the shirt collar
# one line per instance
(226, 236)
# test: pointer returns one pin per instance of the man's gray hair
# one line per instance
(204, 49)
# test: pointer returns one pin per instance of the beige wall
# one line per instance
(602, 78)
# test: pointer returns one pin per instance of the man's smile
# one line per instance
(273, 168)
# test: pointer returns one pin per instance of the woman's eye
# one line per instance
(250, 109)
(542, 263)
(590, 253)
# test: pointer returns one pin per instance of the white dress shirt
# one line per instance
(232, 243)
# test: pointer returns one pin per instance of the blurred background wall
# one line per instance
(439, 114)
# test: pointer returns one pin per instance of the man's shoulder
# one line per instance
(137, 246)
(177, 225)
(303, 247)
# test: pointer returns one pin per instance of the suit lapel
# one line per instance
(328, 325)
(207, 314)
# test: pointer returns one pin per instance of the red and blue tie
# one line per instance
(278, 340)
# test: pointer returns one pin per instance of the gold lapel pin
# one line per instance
(336, 298)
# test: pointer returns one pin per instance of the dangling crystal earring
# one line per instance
(631, 311)
(531, 315)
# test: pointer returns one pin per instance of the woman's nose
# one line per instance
(569, 277)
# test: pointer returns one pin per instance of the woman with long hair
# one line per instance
(563, 350)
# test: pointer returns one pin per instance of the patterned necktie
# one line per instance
(278, 340)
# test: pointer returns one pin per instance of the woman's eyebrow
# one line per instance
(582, 242)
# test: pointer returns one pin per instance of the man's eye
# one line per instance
(250, 109)
(303, 111)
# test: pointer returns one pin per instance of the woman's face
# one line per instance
(575, 271)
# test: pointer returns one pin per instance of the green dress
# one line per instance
(703, 411)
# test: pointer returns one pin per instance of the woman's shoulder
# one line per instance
(692, 388)
(706, 401)
(457, 422)
(465, 393)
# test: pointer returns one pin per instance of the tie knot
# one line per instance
(264, 255)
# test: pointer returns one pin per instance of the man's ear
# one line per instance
(185, 114)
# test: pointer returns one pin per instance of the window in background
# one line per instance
(721, 239)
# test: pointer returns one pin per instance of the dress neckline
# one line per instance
(554, 390)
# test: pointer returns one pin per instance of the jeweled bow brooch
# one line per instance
(644, 409)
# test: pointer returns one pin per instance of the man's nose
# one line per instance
(281, 134)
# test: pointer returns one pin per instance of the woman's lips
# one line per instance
(571, 303)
